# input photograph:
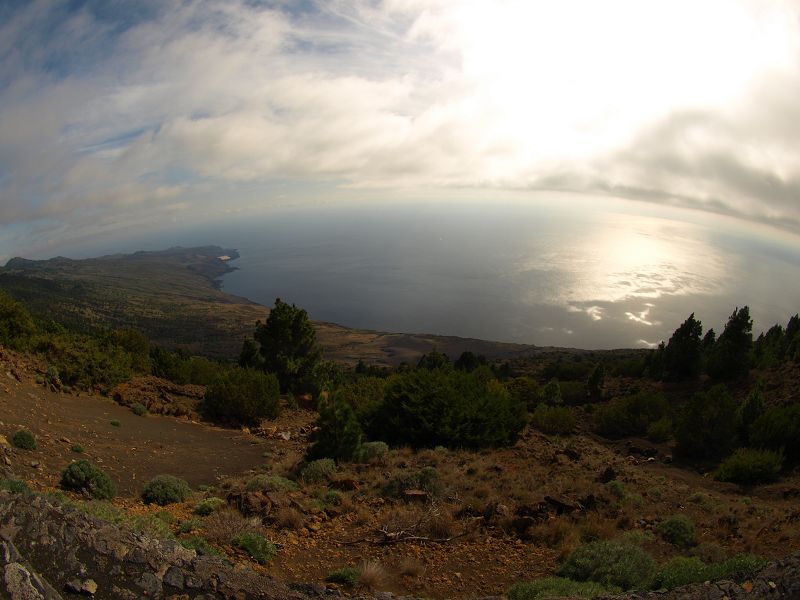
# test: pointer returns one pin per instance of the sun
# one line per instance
(568, 80)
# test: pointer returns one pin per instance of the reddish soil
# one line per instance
(487, 553)
(134, 452)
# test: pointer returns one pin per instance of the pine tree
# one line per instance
(684, 352)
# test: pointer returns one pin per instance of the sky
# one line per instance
(120, 114)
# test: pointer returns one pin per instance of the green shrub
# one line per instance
(346, 576)
(270, 483)
(616, 487)
(683, 570)
(554, 587)
(553, 420)
(259, 548)
(208, 506)
(619, 564)
(631, 415)
(24, 439)
(660, 431)
(318, 471)
(574, 393)
(200, 545)
(551, 393)
(738, 568)
(706, 427)
(189, 525)
(748, 466)
(243, 396)
(365, 396)
(116, 423)
(14, 486)
(426, 479)
(77, 448)
(84, 361)
(525, 391)
(372, 450)
(165, 489)
(678, 530)
(332, 498)
(779, 428)
(680, 571)
(339, 435)
(83, 476)
(429, 408)
(16, 324)
(139, 409)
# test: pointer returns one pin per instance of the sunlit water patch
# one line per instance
(543, 272)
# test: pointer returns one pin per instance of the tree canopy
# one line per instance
(287, 346)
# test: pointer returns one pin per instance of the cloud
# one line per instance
(106, 109)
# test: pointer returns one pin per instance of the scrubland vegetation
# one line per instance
(699, 399)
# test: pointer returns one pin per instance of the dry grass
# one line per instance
(411, 566)
(440, 523)
(222, 526)
(595, 527)
(372, 575)
(289, 518)
(554, 533)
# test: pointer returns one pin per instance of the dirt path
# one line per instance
(133, 452)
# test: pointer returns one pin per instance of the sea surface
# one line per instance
(577, 274)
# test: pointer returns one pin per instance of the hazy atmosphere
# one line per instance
(579, 173)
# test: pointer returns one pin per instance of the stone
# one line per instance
(174, 577)
(149, 584)
(19, 583)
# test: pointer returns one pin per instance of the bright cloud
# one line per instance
(107, 111)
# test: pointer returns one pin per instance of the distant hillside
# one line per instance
(175, 297)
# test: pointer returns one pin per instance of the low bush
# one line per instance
(200, 545)
(631, 415)
(14, 486)
(24, 439)
(83, 476)
(660, 431)
(426, 479)
(139, 409)
(372, 450)
(339, 435)
(574, 393)
(165, 489)
(749, 466)
(706, 427)
(778, 428)
(259, 548)
(553, 420)
(77, 448)
(678, 530)
(610, 563)
(680, 571)
(428, 408)
(738, 568)
(318, 471)
(189, 525)
(270, 483)
(243, 396)
(115, 423)
(209, 505)
(346, 576)
(553, 587)
(684, 570)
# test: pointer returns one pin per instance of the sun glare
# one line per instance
(572, 78)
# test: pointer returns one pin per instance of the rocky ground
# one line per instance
(494, 518)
